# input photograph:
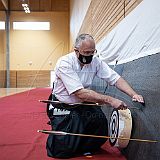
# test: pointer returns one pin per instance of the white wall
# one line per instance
(78, 10)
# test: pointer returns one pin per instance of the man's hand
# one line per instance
(116, 103)
(138, 98)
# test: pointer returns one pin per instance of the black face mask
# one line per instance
(85, 59)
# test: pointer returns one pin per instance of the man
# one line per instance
(74, 75)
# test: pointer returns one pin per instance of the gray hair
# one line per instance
(81, 38)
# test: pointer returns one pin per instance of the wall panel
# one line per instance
(13, 79)
(102, 16)
(39, 50)
(2, 78)
(29, 79)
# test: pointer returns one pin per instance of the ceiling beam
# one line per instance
(5, 4)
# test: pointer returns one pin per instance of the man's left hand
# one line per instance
(138, 98)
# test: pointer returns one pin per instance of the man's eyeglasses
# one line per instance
(87, 52)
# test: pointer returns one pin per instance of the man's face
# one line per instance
(86, 51)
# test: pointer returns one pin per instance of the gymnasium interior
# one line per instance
(34, 34)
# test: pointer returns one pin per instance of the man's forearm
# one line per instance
(122, 85)
(92, 96)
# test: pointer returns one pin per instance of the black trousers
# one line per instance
(83, 120)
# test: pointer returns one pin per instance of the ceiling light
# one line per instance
(2, 25)
(25, 5)
(26, 8)
(31, 25)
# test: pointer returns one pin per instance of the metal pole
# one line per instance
(7, 49)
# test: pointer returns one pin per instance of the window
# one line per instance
(2, 25)
(31, 25)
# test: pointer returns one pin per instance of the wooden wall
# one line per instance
(2, 78)
(26, 78)
(34, 78)
(38, 50)
(35, 52)
(102, 16)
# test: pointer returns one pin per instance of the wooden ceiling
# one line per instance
(36, 5)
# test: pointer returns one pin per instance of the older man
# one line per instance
(74, 75)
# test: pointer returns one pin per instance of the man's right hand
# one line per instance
(116, 103)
